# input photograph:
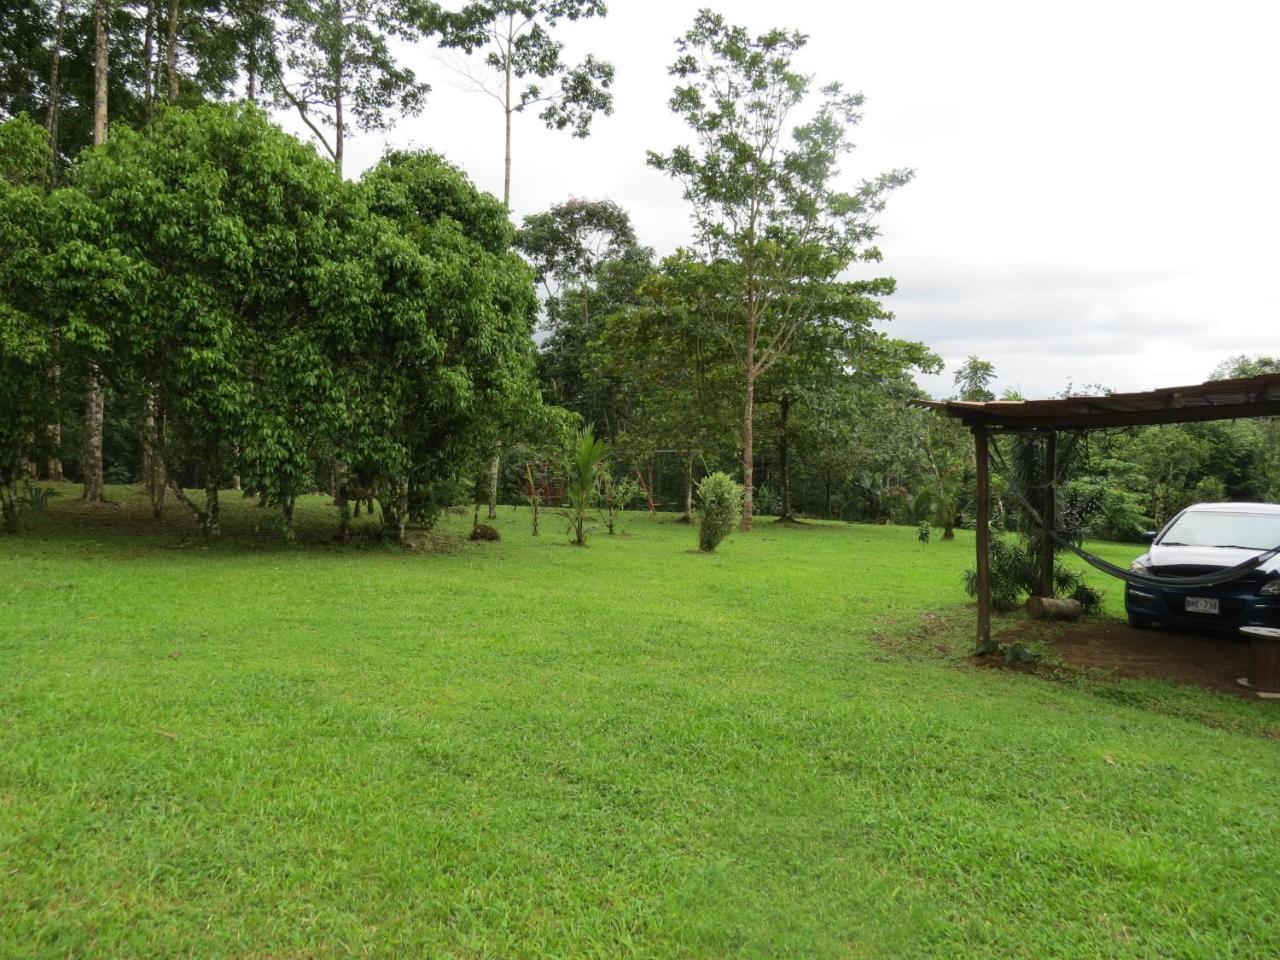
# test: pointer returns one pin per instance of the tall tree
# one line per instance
(589, 264)
(516, 38)
(522, 54)
(830, 359)
(95, 398)
(336, 68)
(282, 318)
(674, 377)
(27, 340)
(767, 210)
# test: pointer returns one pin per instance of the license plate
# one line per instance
(1202, 604)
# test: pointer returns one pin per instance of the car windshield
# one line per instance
(1210, 528)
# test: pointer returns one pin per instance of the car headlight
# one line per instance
(1139, 567)
(1271, 588)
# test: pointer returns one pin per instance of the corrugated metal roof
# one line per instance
(1214, 400)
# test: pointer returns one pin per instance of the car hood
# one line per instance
(1162, 556)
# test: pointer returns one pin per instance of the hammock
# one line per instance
(1216, 579)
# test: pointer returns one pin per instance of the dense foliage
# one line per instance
(274, 319)
(252, 320)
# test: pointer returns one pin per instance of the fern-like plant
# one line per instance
(583, 482)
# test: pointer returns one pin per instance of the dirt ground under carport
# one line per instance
(1208, 660)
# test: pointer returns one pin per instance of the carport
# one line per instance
(1214, 400)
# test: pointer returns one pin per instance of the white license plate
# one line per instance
(1202, 604)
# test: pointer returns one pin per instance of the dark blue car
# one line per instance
(1204, 539)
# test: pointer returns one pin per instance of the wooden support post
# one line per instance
(980, 441)
(1048, 511)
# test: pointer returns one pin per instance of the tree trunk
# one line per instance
(748, 438)
(1053, 608)
(339, 132)
(784, 416)
(94, 485)
(101, 52)
(152, 461)
(54, 466)
(494, 463)
(208, 524)
(148, 443)
(395, 510)
(506, 105)
(171, 52)
(94, 400)
(8, 509)
(55, 92)
(339, 124)
(344, 517)
(688, 490)
(211, 507)
(251, 70)
(148, 53)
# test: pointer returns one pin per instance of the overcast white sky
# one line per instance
(1097, 192)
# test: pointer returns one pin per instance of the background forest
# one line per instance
(191, 298)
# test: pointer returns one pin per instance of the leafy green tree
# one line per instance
(55, 284)
(589, 265)
(282, 318)
(225, 219)
(823, 355)
(948, 451)
(336, 66)
(674, 380)
(519, 50)
(772, 227)
(974, 378)
(618, 493)
(27, 340)
(1242, 366)
(466, 334)
(516, 39)
(81, 67)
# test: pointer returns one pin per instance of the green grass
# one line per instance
(525, 749)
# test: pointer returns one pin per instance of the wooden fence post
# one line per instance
(980, 442)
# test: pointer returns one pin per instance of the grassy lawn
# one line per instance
(525, 749)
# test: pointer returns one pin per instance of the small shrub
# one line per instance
(1015, 574)
(36, 498)
(923, 532)
(1020, 653)
(1090, 598)
(719, 509)
(482, 531)
(618, 495)
(767, 503)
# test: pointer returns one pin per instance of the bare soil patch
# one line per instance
(1211, 661)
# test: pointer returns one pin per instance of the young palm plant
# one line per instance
(583, 482)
